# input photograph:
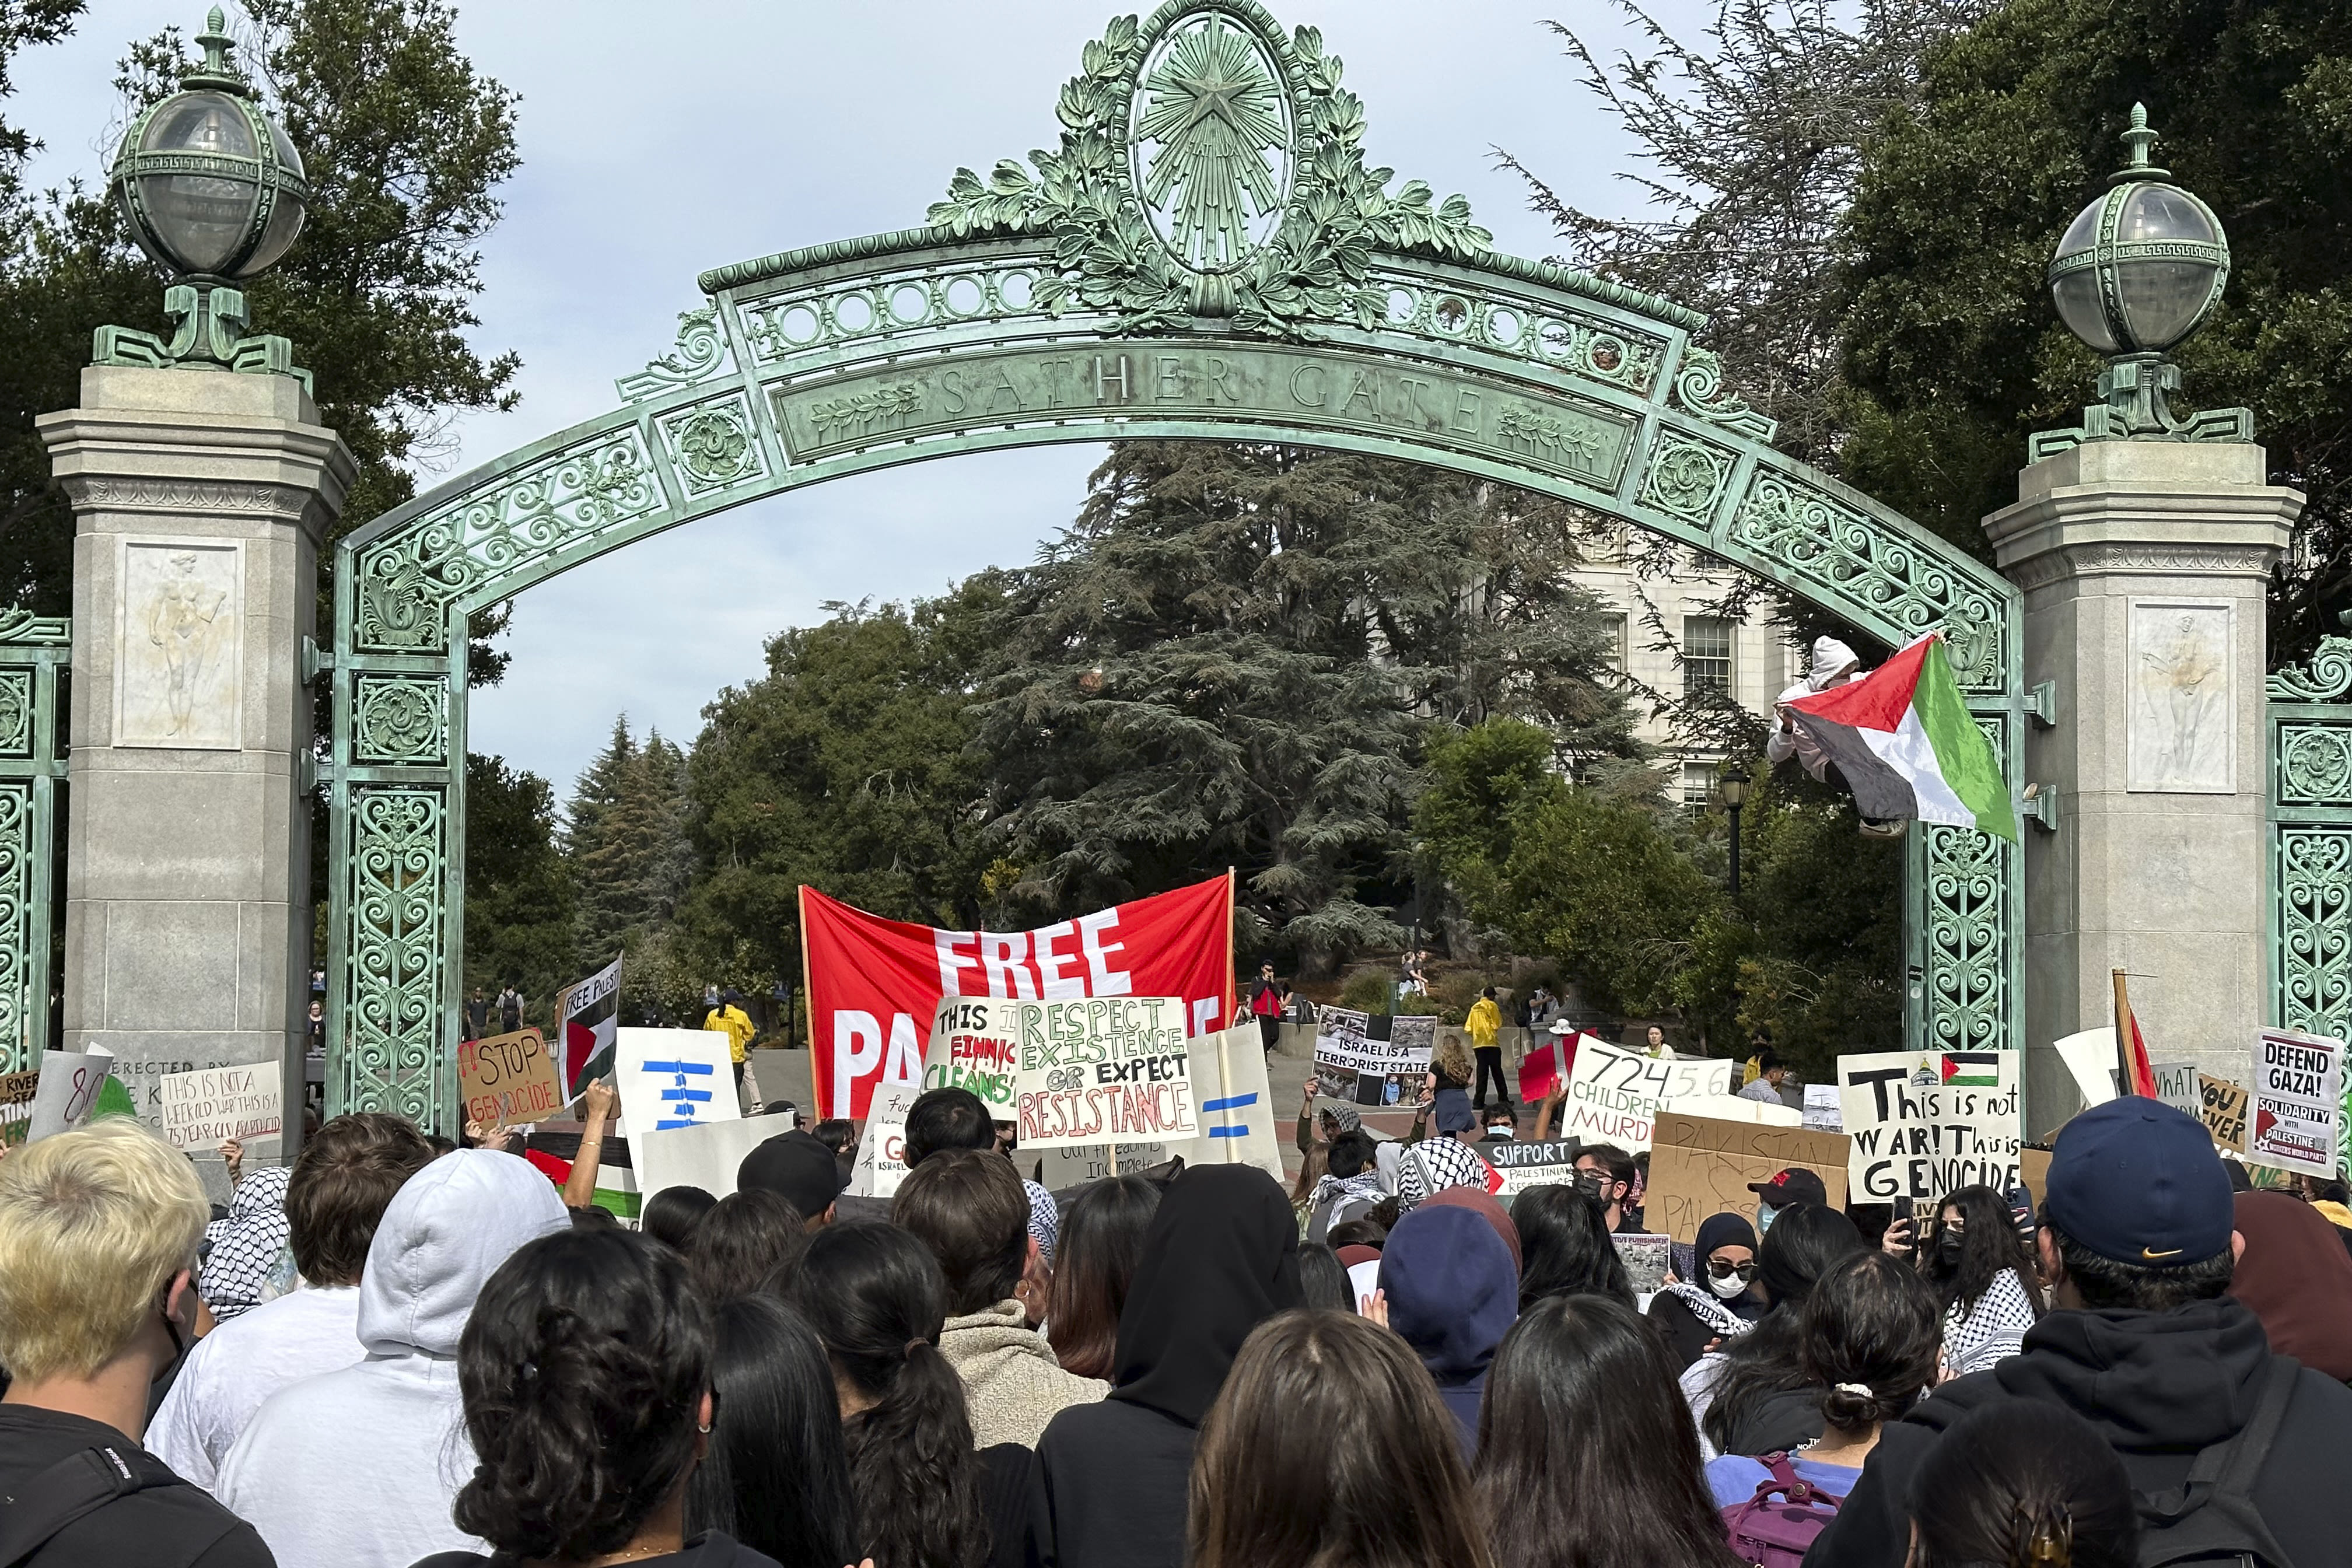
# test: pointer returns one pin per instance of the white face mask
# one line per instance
(1764, 1212)
(1727, 1287)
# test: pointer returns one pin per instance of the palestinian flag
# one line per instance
(1903, 739)
(588, 1012)
(1971, 1069)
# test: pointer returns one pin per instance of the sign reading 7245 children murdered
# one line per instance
(1613, 1096)
(1925, 1123)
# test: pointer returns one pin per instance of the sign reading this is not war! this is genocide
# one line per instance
(1925, 1123)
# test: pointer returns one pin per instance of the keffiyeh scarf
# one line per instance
(1044, 1218)
(1347, 1116)
(1364, 1183)
(1432, 1165)
(244, 1245)
(1709, 1310)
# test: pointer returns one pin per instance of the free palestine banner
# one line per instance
(875, 984)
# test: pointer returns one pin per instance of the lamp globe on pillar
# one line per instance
(2138, 271)
(214, 193)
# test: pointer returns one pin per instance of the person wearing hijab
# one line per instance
(245, 1248)
(2297, 1278)
(1722, 1301)
(1453, 1292)
(1476, 1201)
(1220, 1258)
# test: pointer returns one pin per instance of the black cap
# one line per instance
(1793, 1185)
(797, 1168)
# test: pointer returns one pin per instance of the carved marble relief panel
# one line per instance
(178, 643)
(2181, 723)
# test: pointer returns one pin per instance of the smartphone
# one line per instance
(1907, 1213)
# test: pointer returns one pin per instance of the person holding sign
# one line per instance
(1723, 1302)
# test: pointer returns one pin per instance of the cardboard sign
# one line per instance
(2176, 1084)
(1614, 1096)
(2298, 1099)
(1738, 1108)
(674, 1077)
(2033, 1174)
(202, 1108)
(974, 1044)
(67, 1092)
(509, 1080)
(1700, 1167)
(16, 1091)
(2221, 1106)
(1535, 1163)
(882, 1147)
(1104, 1069)
(1925, 1123)
(705, 1156)
(1648, 1259)
(1822, 1113)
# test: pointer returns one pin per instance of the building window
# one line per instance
(1707, 653)
(1617, 641)
(1698, 785)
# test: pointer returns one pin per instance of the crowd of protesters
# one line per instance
(391, 1355)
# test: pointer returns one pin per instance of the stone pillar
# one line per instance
(199, 498)
(2144, 565)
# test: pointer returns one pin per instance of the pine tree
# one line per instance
(625, 842)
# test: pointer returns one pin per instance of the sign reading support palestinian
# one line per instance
(2298, 1098)
(1537, 1163)
(1613, 1096)
(1104, 1070)
(1700, 1166)
(674, 1077)
(508, 1079)
(2222, 1105)
(586, 1014)
(202, 1108)
(874, 984)
(1925, 1123)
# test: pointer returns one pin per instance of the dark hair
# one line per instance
(1766, 1061)
(837, 1134)
(1989, 1244)
(2015, 1478)
(1805, 1240)
(1564, 1243)
(1488, 994)
(874, 1297)
(1094, 1255)
(776, 1478)
(970, 1208)
(582, 1366)
(743, 1240)
(342, 1180)
(592, 1216)
(1328, 1444)
(673, 1215)
(1351, 1154)
(1871, 1323)
(1368, 1233)
(1582, 1405)
(947, 1118)
(1613, 1159)
(1323, 1278)
(440, 1143)
(2107, 1285)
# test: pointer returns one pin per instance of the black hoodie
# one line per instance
(2159, 1386)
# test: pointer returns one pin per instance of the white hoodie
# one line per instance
(1830, 658)
(358, 1468)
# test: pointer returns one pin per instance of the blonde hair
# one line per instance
(93, 1224)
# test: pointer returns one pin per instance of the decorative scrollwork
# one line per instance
(1851, 556)
(24, 994)
(1698, 386)
(713, 447)
(1579, 444)
(1686, 478)
(700, 354)
(395, 856)
(2312, 875)
(399, 718)
(861, 414)
(1969, 946)
(16, 713)
(2314, 764)
(2324, 678)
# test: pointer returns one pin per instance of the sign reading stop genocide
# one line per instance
(875, 984)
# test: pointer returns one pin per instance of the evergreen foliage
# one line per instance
(519, 915)
(625, 842)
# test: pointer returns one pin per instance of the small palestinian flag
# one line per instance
(1971, 1069)
(1907, 747)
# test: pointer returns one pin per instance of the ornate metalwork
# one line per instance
(36, 652)
(1042, 305)
(2325, 679)
(2310, 828)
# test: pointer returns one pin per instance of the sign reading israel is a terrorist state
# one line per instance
(1925, 1124)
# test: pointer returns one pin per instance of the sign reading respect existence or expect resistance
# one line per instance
(1927, 1124)
(1097, 1069)
(1613, 1096)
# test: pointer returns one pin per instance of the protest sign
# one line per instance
(972, 1047)
(2090, 1059)
(2175, 1085)
(1539, 1068)
(508, 1079)
(2222, 1105)
(1646, 1259)
(586, 1014)
(1236, 1106)
(882, 1147)
(674, 1077)
(2033, 1174)
(70, 1084)
(16, 1091)
(202, 1108)
(1614, 1095)
(1338, 1048)
(1532, 1162)
(873, 983)
(2298, 1102)
(1733, 1108)
(707, 1156)
(1700, 1166)
(1104, 1069)
(1821, 1112)
(1372, 1060)
(1927, 1124)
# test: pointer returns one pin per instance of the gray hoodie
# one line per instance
(357, 1468)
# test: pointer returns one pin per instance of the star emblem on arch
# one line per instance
(1215, 112)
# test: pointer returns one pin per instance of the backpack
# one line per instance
(76, 1485)
(1772, 1528)
(2210, 1517)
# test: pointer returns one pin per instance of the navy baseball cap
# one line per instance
(2137, 1181)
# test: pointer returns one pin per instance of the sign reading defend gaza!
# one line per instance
(1925, 1123)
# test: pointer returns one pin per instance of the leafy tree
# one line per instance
(1232, 657)
(518, 897)
(625, 843)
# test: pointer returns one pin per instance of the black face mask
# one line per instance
(1949, 1247)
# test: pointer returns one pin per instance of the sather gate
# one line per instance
(1207, 256)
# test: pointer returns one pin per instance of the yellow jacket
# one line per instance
(1484, 1020)
(738, 1025)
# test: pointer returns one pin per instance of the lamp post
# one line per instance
(1732, 779)
(213, 191)
(2138, 271)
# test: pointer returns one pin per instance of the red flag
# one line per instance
(874, 984)
(2131, 1048)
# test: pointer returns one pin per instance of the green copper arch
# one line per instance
(1049, 303)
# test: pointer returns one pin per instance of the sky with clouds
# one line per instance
(660, 141)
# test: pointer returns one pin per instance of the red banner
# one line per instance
(874, 984)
